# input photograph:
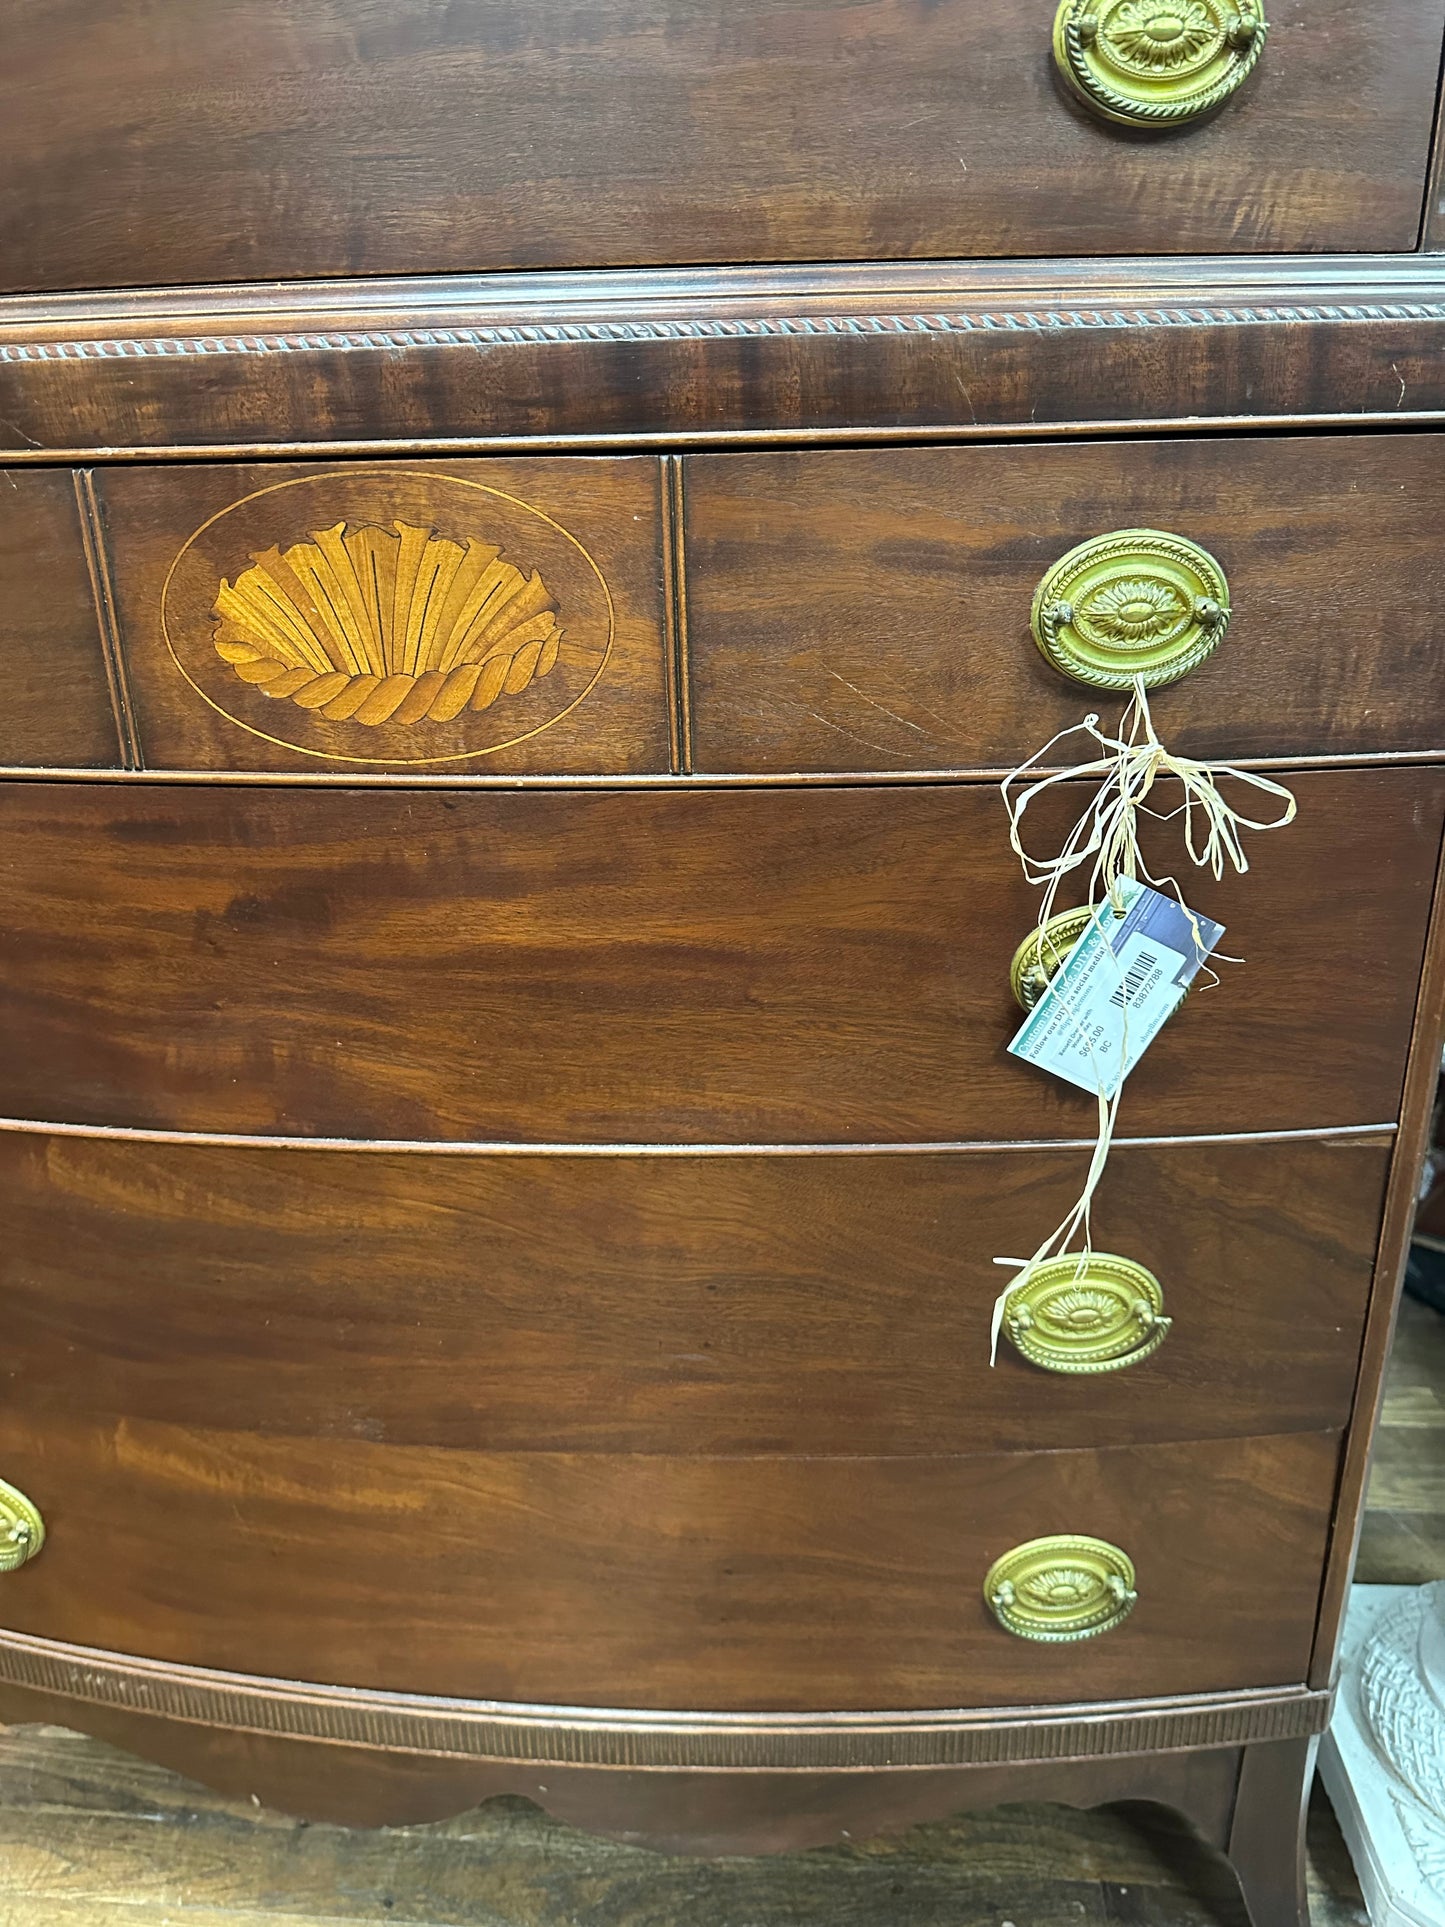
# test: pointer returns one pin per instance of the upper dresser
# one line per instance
(267, 140)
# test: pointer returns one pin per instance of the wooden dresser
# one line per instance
(517, 541)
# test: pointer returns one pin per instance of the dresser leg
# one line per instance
(1267, 1835)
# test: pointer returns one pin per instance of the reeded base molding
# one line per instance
(647, 1740)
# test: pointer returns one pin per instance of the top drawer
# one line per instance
(332, 137)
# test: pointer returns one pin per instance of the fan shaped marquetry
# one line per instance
(376, 625)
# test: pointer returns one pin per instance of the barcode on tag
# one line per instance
(1141, 975)
(1114, 991)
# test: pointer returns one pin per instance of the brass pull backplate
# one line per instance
(1063, 1588)
(1042, 952)
(1137, 602)
(22, 1530)
(1096, 1317)
(1157, 63)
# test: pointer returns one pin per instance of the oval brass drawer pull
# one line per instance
(1062, 1588)
(1137, 602)
(1157, 63)
(1101, 1319)
(22, 1530)
(1042, 952)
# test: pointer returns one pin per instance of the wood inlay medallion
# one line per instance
(387, 616)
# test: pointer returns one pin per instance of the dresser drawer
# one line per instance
(409, 143)
(647, 1581)
(846, 610)
(869, 610)
(491, 617)
(717, 1305)
(684, 965)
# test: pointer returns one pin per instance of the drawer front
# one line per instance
(715, 1305)
(463, 618)
(633, 1580)
(869, 610)
(847, 610)
(680, 966)
(801, 132)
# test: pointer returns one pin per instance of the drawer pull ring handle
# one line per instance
(1062, 1588)
(1081, 1315)
(22, 1530)
(1137, 603)
(1157, 63)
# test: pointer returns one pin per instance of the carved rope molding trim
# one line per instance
(660, 1741)
(528, 334)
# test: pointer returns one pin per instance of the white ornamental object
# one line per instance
(1383, 1760)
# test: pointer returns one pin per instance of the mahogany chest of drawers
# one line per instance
(517, 540)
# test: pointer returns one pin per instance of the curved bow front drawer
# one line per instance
(682, 966)
(802, 133)
(871, 610)
(719, 1305)
(652, 1581)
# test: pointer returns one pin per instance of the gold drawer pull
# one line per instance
(1043, 951)
(22, 1530)
(1137, 602)
(1157, 63)
(1101, 1319)
(1062, 1588)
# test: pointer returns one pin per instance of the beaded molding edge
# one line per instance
(529, 334)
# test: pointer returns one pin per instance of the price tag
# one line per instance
(1106, 1003)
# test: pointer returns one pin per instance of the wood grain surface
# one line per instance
(869, 609)
(684, 967)
(590, 528)
(640, 1581)
(697, 1431)
(656, 1305)
(54, 701)
(340, 137)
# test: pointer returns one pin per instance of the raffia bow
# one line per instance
(1106, 834)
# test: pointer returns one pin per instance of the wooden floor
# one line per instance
(1403, 1542)
(89, 1838)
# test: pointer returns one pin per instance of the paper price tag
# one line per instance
(1106, 1003)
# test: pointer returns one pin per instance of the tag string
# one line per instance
(1105, 839)
(1078, 1222)
(1106, 834)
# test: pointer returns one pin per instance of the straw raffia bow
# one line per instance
(1107, 832)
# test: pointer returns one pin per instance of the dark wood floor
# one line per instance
(89, 1838)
